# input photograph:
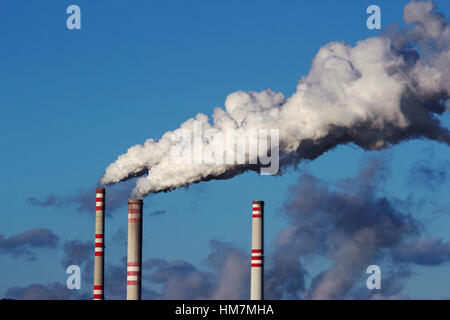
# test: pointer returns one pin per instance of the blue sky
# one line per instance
(72, 101)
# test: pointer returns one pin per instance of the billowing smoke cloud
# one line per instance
(23, 243)
(380, 92)
(349, 226)
(352, 225)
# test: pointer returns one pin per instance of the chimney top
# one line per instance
(135, 201)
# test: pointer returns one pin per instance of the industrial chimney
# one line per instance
(134, 249)
(99, 263)
(257, 263)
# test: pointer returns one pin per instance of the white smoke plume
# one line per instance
(377, 93)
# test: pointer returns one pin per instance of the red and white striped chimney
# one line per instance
(257, 265)
(134, 249)
(99, 263)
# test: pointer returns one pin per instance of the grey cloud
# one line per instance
(84, 199)
(428, 252)
(51, 291)
(23, 244)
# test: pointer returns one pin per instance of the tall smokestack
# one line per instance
(134, 249)
(99, 263)
(257, 266)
